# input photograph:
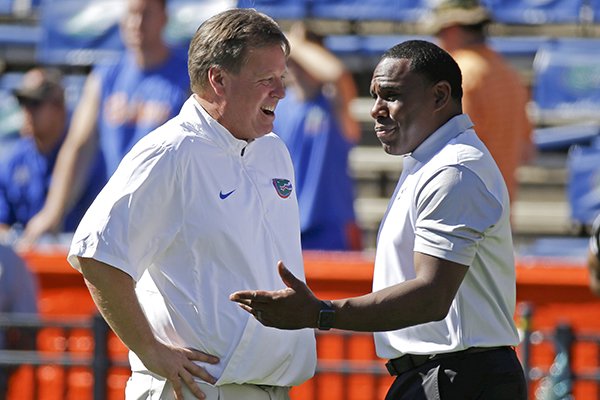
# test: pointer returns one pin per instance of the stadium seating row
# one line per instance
(529, 12)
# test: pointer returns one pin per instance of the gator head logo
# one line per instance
(283, 187)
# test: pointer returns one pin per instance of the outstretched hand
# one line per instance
(294, 307)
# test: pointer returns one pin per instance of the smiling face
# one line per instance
(250, 96)
(404, 106)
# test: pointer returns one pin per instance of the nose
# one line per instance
(278, 89)
(379, 108)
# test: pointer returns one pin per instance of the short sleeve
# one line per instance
(454, 209)
(136, 216)
(595, 237)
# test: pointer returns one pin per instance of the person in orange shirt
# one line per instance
(495, 97)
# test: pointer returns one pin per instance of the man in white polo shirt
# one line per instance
(201, 207)
(444, 283)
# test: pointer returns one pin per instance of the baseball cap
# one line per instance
(38, 85)
(457, 12)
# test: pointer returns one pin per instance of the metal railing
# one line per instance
(97, 360)
(555, 382)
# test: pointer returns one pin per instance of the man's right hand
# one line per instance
(176, 364)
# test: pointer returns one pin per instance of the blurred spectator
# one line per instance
(25, 175)
(594, 257)
(120, 103)
(494, 95)
(319, 133)
(18, 294)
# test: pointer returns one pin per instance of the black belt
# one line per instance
(407, 362)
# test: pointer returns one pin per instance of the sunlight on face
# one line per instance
(251, 96)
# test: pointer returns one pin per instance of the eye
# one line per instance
(391, 97)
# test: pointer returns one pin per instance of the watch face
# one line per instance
(326, 318)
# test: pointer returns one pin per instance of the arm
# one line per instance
(75, 155)
(424, 299)
(113, 292)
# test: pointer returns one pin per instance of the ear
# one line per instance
(216, 79)
(441, 94)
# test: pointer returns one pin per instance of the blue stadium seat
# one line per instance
(595, 9)
(562, 137)
(583, 186)
(79, 32)
(566, 81)
(185, 16)
(6, 7)
(278, 9)
(370, 10)
(378, 44)
(11, 117)
(535, 12)
(517, 46)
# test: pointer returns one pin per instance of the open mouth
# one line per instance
(268, 110)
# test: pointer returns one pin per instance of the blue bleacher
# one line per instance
(535, 12)
(562, 137)
(6, 7)
(517, 46)
(11, 120)
(185, 16)
(566, 83)
(372, 10)
(79, 32)
(278, 9)
(11, 117)
(583, 185)
(595, 9)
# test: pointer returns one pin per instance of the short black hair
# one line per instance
(431, 61)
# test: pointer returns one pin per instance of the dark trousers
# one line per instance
(491, 375)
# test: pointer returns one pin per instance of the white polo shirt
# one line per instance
(194, 214)
(451, 202)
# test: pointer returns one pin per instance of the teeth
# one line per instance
(269, 108)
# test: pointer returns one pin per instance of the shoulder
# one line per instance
(272, 141)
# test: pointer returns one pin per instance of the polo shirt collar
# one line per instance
(206, 126)
(438, 139)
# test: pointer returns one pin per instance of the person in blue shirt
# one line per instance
(26, 174)
(319, 134)
(121, 102)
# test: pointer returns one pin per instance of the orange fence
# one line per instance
(557, 289)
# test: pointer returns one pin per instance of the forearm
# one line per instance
(113, 292)
(76, 153)
(396, 307)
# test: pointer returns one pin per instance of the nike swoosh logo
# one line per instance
(223, 196)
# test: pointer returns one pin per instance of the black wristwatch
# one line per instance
(326, 316)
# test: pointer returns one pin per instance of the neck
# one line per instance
(151, 58)
(46, 144)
